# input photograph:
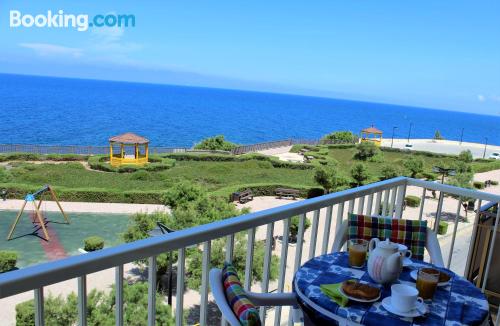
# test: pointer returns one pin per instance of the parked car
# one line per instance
(495, 156)
(409, 146)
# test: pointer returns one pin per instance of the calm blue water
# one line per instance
(87, 112)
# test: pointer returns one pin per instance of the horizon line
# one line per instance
(253, 91)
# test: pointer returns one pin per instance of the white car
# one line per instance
(495, 156)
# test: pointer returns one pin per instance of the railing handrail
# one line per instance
(52, 272)
(453, 190)
(37, 276)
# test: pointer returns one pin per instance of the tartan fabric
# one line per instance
(411, 233)
(242, 307)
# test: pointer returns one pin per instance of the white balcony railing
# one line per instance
(386, 197)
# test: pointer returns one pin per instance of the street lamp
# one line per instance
(409, 132)
(392, 139)
(160, 230)
(444, 172)
(461, 136)
(485, 144)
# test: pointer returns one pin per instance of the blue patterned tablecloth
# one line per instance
(458, 303)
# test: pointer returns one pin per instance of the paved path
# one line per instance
(443, 146)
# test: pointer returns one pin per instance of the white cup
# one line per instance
(404, 250)
(404, 298)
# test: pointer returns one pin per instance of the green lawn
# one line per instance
(74, 182)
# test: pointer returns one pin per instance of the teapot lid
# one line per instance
(386, 244)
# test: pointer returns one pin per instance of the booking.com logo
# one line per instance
(59, 19)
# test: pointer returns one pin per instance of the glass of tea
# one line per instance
(357, 252)
(427, 281)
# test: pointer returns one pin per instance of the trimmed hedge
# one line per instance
(8, 260)
(412, 201)
(241, 158)
(93, 243)
(423, 153)
(40, 157)
(269, 189)
(157, 163)
(95, 195)
(443, 227)
(478, 184)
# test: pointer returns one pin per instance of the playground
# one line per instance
(49, 234)
(65, 239)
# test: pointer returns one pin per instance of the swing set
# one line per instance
(38, 216)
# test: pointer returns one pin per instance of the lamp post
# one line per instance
(485, 144)
(443, 171)
(160, 230)
(461, 136)
(409, 132)
(392, 138)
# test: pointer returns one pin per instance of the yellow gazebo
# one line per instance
(372, 134)
(121, 146)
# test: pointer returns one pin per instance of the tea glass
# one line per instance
(427, 282)
(357, 252)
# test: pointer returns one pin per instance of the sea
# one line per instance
(64, 111)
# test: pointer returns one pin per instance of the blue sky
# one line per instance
(438, 54)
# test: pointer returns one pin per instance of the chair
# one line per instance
(258, 299)
(431, 244)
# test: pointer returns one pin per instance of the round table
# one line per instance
(457, 303)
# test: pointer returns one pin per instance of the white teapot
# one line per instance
(385, 261)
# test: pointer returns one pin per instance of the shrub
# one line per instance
(478, 184)
(216, 143)
(329, 178)
(8, 260)
(4, 175)
(359, 173)
(437, 135)
(366, 150)
(466, 156)
(414, 165)
(389, 171)
(443, 227)
(218, 256)
(294, 227)
(61, 311)
(429, 176)
(156, 163)
(339, 137)
(494, 183)
(93, 243)
(412, 201)
(182, 193)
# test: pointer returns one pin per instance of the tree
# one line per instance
(414, 165)
(61, 311)
(218, 257)
(294, 227)
(437, 135)
(389, 171)
(216, 143)
(329, 178)
(339, 137)
(466, 156)
(359, 173)
(366, 150)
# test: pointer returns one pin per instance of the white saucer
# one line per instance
(419, 310)
(414, 275)
(407, 262)
(359, 300)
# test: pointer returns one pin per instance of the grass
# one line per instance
(218, 177)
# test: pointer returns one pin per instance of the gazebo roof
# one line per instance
(129, 138)
(372, 130)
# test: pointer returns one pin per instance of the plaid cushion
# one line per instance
(408, 232)
(242, 307)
